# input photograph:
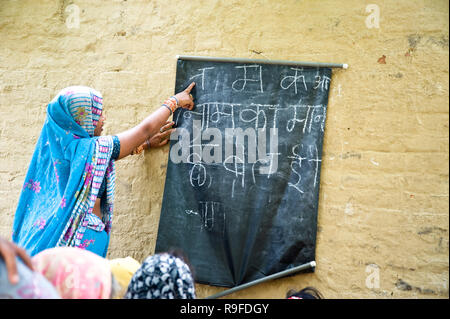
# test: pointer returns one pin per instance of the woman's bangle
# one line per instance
(174, 97)
(171, 103)
(168, 107)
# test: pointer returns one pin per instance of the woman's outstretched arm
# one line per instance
(134, 137)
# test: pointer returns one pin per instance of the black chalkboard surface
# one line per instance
(242, 183)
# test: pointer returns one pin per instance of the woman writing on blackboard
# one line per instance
(68, 193)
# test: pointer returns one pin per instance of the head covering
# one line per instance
(162, 276)
(123, 270)
(305, 293)
(31, 285)
(76, 273)
(65, 173)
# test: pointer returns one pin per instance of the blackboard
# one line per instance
(242, 185)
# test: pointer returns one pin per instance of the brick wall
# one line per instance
(383, 211)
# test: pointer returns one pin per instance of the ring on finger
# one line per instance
(190, 95)
(161, 130)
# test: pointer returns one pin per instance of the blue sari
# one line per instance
(67, 168)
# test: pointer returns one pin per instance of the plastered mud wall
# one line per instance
(383, 210)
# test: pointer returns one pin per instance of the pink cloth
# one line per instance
(76, 273)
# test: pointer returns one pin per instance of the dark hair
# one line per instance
(305, 293)
(179, 253)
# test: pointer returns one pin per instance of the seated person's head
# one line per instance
(305, 293)
(76, 273)
(162, 276)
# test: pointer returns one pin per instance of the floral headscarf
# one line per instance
(162, 276)
(64, 175)
(76, 273)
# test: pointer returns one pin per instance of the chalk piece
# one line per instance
(313, 264)
(345, 66)
(177, 56)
